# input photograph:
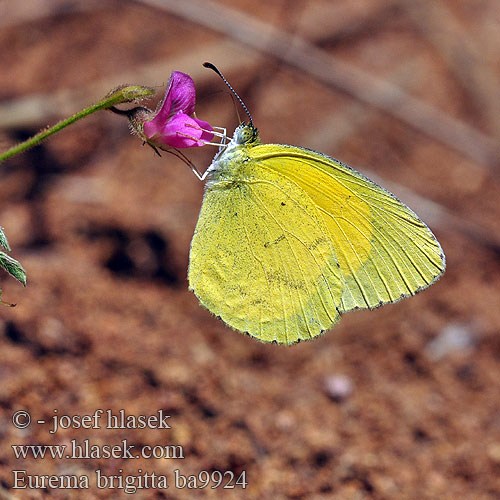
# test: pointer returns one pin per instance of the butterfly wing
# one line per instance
(384, 251)
(292, 238)
(261, 258)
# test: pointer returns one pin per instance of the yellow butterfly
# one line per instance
(289, 239)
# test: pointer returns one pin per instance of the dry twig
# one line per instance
(320, 64)
(465, 58)
(15, 12)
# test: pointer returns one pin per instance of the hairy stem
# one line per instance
(118, 96)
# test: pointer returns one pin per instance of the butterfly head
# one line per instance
(246, 134)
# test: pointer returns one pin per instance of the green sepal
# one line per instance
(3, 240)
(13, 267)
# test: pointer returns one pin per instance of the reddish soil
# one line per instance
(103, 225)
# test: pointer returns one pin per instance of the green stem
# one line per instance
(118, 96)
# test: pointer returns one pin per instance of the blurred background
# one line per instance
(398, 403)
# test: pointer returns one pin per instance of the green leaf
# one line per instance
(13, 267)
(3, 240)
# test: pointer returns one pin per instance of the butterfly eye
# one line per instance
(245, 134)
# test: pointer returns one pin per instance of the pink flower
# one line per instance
(172, 124)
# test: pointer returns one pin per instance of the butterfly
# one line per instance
(289, 239)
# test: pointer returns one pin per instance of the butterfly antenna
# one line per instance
(235, 104)
(214, 68)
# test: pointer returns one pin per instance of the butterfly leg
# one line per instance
(223, 137)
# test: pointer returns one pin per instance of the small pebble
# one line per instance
(494, 452)
(454, 337)
(338, 387)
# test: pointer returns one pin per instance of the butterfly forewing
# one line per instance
(384, 251)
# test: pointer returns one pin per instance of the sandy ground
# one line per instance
(398, 403)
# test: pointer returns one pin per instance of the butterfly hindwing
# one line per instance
(262, 260)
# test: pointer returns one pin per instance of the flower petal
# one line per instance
(181, 131)
(172, 125)
(181, 93)
(205, 134)
(179, 97)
